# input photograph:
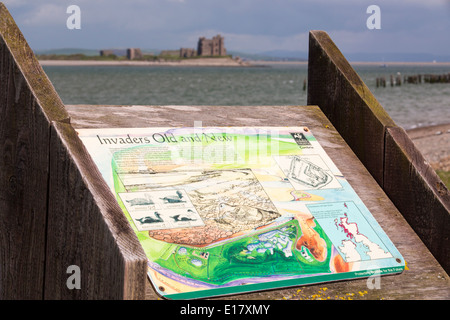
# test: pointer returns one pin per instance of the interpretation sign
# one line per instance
(226, 210)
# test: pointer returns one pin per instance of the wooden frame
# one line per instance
(56, 211)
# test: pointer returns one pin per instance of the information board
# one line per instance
(226, 210)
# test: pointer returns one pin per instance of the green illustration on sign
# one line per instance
(230, 210)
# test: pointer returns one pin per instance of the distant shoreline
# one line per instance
(220, 62)
(362, 63)
(215, 62)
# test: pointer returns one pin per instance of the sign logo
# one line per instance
(300, 139)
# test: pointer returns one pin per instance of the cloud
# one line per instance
(257, 43)
(14, 3)
(47, 14)
(248, 25)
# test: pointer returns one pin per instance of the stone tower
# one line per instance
(211, 47)
(134, 53)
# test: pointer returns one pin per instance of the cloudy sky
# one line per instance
(253, 26)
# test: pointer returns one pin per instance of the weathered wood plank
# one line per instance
(28, 103)
(82, 226)
(419, 194)
(363, 123)
(424, 279)
(337, 89)
(87, 228)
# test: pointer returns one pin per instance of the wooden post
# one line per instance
(55, 212)
(93, 233)
(335, 87)
(383, 147)
(28, 105)
(418, 193)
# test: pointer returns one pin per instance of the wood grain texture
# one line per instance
(28, 103)
(419, 193)
(87, 228)
(54, 209)
(343, 97)
(424, 279)
(363, 123)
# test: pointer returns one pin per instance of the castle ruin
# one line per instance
(134, 53)
(105, 53)
(205, 48)
(187, 53)
(211, 47)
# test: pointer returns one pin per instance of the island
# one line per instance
(209, 52)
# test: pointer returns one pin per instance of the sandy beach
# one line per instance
(434, 144)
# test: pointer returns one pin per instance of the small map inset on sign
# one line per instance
(349, 231)
(307, 172)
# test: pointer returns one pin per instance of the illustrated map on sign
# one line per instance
(230, 210)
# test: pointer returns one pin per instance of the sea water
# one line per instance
(409, 105)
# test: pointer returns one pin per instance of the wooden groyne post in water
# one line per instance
(436, 78)
(398, 80)
(384, 148)
(381, 82)
(57, 212)
(413, 79)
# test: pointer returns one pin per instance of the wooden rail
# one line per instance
(383, 147)
(55, 211)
